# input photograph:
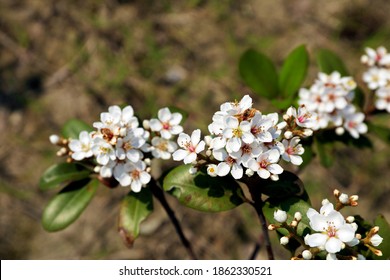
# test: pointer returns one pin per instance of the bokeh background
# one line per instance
(72, 59)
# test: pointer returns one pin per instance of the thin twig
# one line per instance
(258, 207)
(159, 194)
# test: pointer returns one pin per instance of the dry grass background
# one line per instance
(73, 59)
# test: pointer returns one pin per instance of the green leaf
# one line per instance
(288, 185)
(293, 71)
(68, 204)
(259, 73)
(291, 205)
(202, 192)
(61, 173)
(324, 150)
(380, 131)
(384, 232)
(328, 62)
(134, 209)
(73, 127)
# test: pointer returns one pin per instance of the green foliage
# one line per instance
(61, 173)
(202, 192)
(73, 127)
(134, 209)
(384, 232)
(68, 204)
(380, 131)
(259, 73)
(328, 62)
(291, 205)
(293, 72)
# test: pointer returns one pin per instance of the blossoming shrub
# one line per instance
(243, 147)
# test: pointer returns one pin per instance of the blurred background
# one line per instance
(72, 59)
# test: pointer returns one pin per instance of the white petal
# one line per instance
(234, 144)
(316, 239)
(155, 125)
(179, 154)
(346, 233)
(223, 169)
(296, 160)
(275, 168)
(176, 119)
(333, 245)
(144, 178)
(190, 158)
(136, 186)
(195, 137)
(231, 122)
(183, 140)
(263, 173)
(200, 147)
(164, 114)
(237, 171)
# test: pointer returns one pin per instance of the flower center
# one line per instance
(135, 174)
(290, 150)
(237, 132)
(263, 164)
(166, 126)
(331, 231)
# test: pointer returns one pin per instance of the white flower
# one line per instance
(293, 151)
(212, 170)
(284, 240)
(332, 228)
(228, 164)
(191, 146)
(376, 57)
(132, 174)
(376, 240)
(376, 78)
(247, 152)
(162, 148)
(81, 148)
(303, 117)
(266, 164)
(383, 99)
(129, 145)
(280, 216)
(167, 123)
(354, 124)
(103, 151)
(237, 132)
(234, 108)
(260, 126)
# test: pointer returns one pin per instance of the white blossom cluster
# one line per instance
(332, 232)
(242, 141)
(330, 97)
(377, 77)
(119, 145)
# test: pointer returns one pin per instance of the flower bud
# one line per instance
(288, 134)
(343, 198)
(340, 130)
(284, 240)
(376, 240)
(193, 170)
(307, 255)
(54, 139)
(350, 219)
(148, 161)
(96, 169)
(325, 201)
(294, 223)
(360, 257)
(146, 124)
(280, 216)
(249, 172)
(298, 216)
(307, 132)
(272, 227)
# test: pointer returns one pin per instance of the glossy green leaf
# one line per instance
(134, 209)
(202, 192)
(380, 131)
(61, 173)
(328, 62)
(288, 185)
(68, 204)
(73, 127)
(293, 71)
(384, 232)
(291, 205)
(259, 73)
